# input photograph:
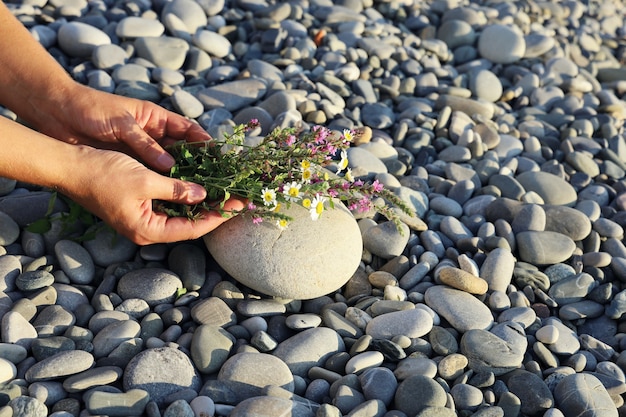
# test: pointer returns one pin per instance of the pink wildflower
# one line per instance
(251, 206)
(364, 204)
(377, 186)
(257, 220)
(291, 139)
(253, 123)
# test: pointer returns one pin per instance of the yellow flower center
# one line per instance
(306, 203)
(293, 192)
(319, 208)
(305, 164)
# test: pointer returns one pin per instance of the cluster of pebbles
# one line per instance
(501, 122)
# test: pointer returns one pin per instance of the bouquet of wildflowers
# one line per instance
(286, 167)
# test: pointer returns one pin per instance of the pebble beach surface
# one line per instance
(500, 122)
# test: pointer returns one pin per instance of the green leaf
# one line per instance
(40, 226)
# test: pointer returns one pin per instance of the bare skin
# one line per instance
(84, 143)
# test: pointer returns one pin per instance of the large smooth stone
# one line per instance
(543, 248)
(306, 260)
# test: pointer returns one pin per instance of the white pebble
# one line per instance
(547, 334)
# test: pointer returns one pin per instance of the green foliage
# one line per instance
(286, 166)
(74, 214)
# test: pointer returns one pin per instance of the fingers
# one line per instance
(179, 128)
(163, 229)
(145, 143)
(146, 148)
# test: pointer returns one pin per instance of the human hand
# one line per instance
(120, 190)
(107, 121)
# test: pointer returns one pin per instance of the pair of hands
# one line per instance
(115, 186)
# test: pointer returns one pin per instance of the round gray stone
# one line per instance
(418, 392)
(501, 44)
(247, 373)
(290, 263)
(154, 285)
(147, 372)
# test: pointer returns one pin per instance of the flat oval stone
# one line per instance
(189, 12)
(233, 95)
(247, 373)
(213, 43)
(463, 280)
(378, 383)
(91, 378)
(214, 311)
(135, 26)
(9, 229)
(385, 240)
(110, 337)
(10, 269)
(543, 248)
(162, 51)
(146, 372)
(75, 261)
(130, 403)
(8, 371)
(411, 323)
(17, 330)
(34, 280)
(309, 348)
(568, 221)
(572, 289)
(584, 394)
(487, 352)
(189, 263)
(210, 347)
(290, 263)
(154, 285)
(108, 247)
(418, 392)
(497, 269)
(462, 310)
(79, 39)
(551, 188)
(533, 392)
(60, 365)
(264, 406)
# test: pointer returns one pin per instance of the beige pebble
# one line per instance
(462, 280)
(547, 334)
(362, 135)
(8, 371)
(452, 366)
(380, 279)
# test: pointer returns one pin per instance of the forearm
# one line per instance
(31, 81)
(34, 158)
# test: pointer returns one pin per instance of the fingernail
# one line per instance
(165, 160)
(197, 192)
